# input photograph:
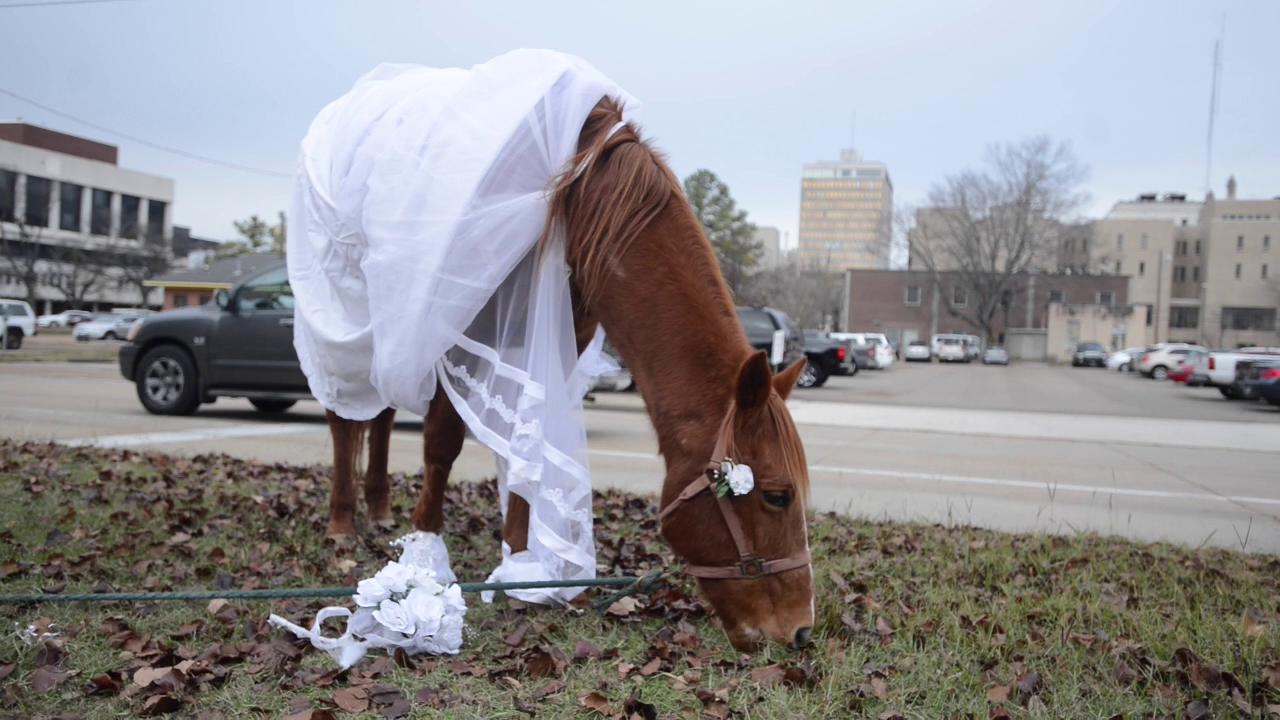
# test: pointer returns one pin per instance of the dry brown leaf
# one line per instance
(595, 702)
(998, 694)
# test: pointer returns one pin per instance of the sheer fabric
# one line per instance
(420, 198)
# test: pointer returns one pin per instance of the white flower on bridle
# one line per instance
(733, 478)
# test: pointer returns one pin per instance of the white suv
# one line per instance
(1156, 362)
(883, 355)
(22, 322)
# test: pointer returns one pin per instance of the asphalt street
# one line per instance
(1028, 447)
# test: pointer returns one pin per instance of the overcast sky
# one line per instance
(749, 90)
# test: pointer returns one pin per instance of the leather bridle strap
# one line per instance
(748, 565)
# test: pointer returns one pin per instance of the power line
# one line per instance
(43, 3)
(148, 143)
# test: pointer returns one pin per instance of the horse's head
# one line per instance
(770, 597)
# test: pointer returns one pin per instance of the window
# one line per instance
(268, 291)
(1237, 271)
(1249, 318)
(39, 192)
(1185, 318)
(180, 300)
(1142, 269)
(1056, 296)
(1264, 271)
(129, 208)
(1195, 273)
(1120, 242)
(1239, 243)
(959, 296)
(1084, 244)
(155, 220)
(1197, 247)
(756, 323)
(69, 206)
(100, 213)
(911, 296)
(8, 195)
(1180, 247)
(1106, 297)
(1180, 274)
(1266, 242)
(1118, 267)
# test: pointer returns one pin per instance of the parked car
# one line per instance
(1242, 387)
(761, 324)
(105, 326)
(1158, 361)
(918, 351)
(995, 355)
(1122, 360)
(66, 318)
(974, 346)
(21, 322)
(1263, 380)
(1217, 368)
(882, 355)
(1089, 353)
(953, 349)
(827, 356)
(1185, 370)
(241, 345)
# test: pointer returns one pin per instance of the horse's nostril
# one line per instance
(802, 637)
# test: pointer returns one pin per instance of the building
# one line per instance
(1207, 269)
(770, 239)
(80, 228)
(909, 305)
(196, 286)
(846, 214)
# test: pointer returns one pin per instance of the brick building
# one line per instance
(909, 305)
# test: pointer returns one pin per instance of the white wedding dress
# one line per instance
(421, 195)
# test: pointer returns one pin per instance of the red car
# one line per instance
(1182, 372)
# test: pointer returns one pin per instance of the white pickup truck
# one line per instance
(1218, 368)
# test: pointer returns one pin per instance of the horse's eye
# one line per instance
(779, 499)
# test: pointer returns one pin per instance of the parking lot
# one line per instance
(1027, 447)
(1038, 387)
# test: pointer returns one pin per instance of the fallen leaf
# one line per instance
(351, 699)
(595, 702)
(622, 607)
(159, 705)
(46, 678)
(998, 694)
(768, 675)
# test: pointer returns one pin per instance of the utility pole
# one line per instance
(1213, 105)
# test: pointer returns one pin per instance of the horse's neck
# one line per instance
(672, 319)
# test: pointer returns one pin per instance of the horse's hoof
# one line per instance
(340, 539)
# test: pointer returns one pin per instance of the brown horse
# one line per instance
(641, 267)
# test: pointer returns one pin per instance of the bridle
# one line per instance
(749, 566)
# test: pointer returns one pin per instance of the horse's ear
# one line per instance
(784, 381)
(755, 380)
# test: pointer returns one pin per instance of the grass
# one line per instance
(57, 345)
(914, 621)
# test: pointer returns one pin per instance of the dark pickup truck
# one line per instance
(827, 356)
(760, 325)
(239, 346)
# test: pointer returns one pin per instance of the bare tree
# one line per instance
(21, 252)
(81, 271)
(993, 225)
(812, 297)
(135, 266)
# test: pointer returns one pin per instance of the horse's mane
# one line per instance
(630, 185)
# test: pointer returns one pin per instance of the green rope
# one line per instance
(629, 585)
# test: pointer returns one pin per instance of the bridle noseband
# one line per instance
(749, 565)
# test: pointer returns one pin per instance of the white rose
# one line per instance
(362, 622)
(741, 479)
(370, 592)
(395, 576)
(452, 597)
(448, 639)
(425, 609)
(426, 579)
(392, 616)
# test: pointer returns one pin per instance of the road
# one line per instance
(1022, 448)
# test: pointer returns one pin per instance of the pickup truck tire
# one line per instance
(813, 376)
(167, 382)
(1227, 393)
(268, 405)
(13, 339)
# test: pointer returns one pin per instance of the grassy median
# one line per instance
(915, 621)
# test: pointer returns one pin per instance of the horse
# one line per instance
(641, 267)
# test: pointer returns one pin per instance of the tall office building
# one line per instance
(846, 214)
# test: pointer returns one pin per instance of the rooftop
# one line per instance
(221, 274)
(46, 139)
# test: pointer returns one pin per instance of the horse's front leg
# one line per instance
(442, 434)
(347, 436)
(377, 494)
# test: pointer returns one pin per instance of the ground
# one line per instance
(914, 621)
(1023, 448)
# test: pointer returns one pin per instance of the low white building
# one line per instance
(65, 204)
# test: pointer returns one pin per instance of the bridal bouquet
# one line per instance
(412, 603)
